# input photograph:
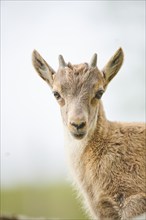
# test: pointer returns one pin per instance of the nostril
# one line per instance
(81, 125)
(78, 126)
(74, 124)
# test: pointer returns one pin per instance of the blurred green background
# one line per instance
(57, 200)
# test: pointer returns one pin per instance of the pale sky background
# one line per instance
(32, 134)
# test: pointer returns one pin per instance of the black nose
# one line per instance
(79, 125)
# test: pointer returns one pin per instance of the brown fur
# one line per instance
(107, 159)
(115, 159)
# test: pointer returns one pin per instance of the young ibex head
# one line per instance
(78, 89)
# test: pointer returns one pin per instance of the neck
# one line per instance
(76, 148)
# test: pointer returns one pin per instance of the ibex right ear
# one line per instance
(113, 65)
(42, 68)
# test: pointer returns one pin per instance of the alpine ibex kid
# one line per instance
(107, 159)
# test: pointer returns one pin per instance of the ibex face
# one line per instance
(78, 89)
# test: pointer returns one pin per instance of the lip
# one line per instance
(78, 136)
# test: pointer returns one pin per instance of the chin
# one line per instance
(78, 136)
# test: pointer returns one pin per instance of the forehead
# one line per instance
(73, 78)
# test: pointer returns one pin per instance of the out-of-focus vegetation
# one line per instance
(52, 201)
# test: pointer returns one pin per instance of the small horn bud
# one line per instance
(93, 61)
(62, 63)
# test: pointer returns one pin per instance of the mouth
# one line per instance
(78, 136)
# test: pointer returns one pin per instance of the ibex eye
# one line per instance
(99, 93)
(57, 95)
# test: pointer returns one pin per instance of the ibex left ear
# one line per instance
(113, 65)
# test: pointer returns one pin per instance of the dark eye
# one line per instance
(99, 94)
(57, 95)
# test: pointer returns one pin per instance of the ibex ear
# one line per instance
(113, 65)
(43, 69)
